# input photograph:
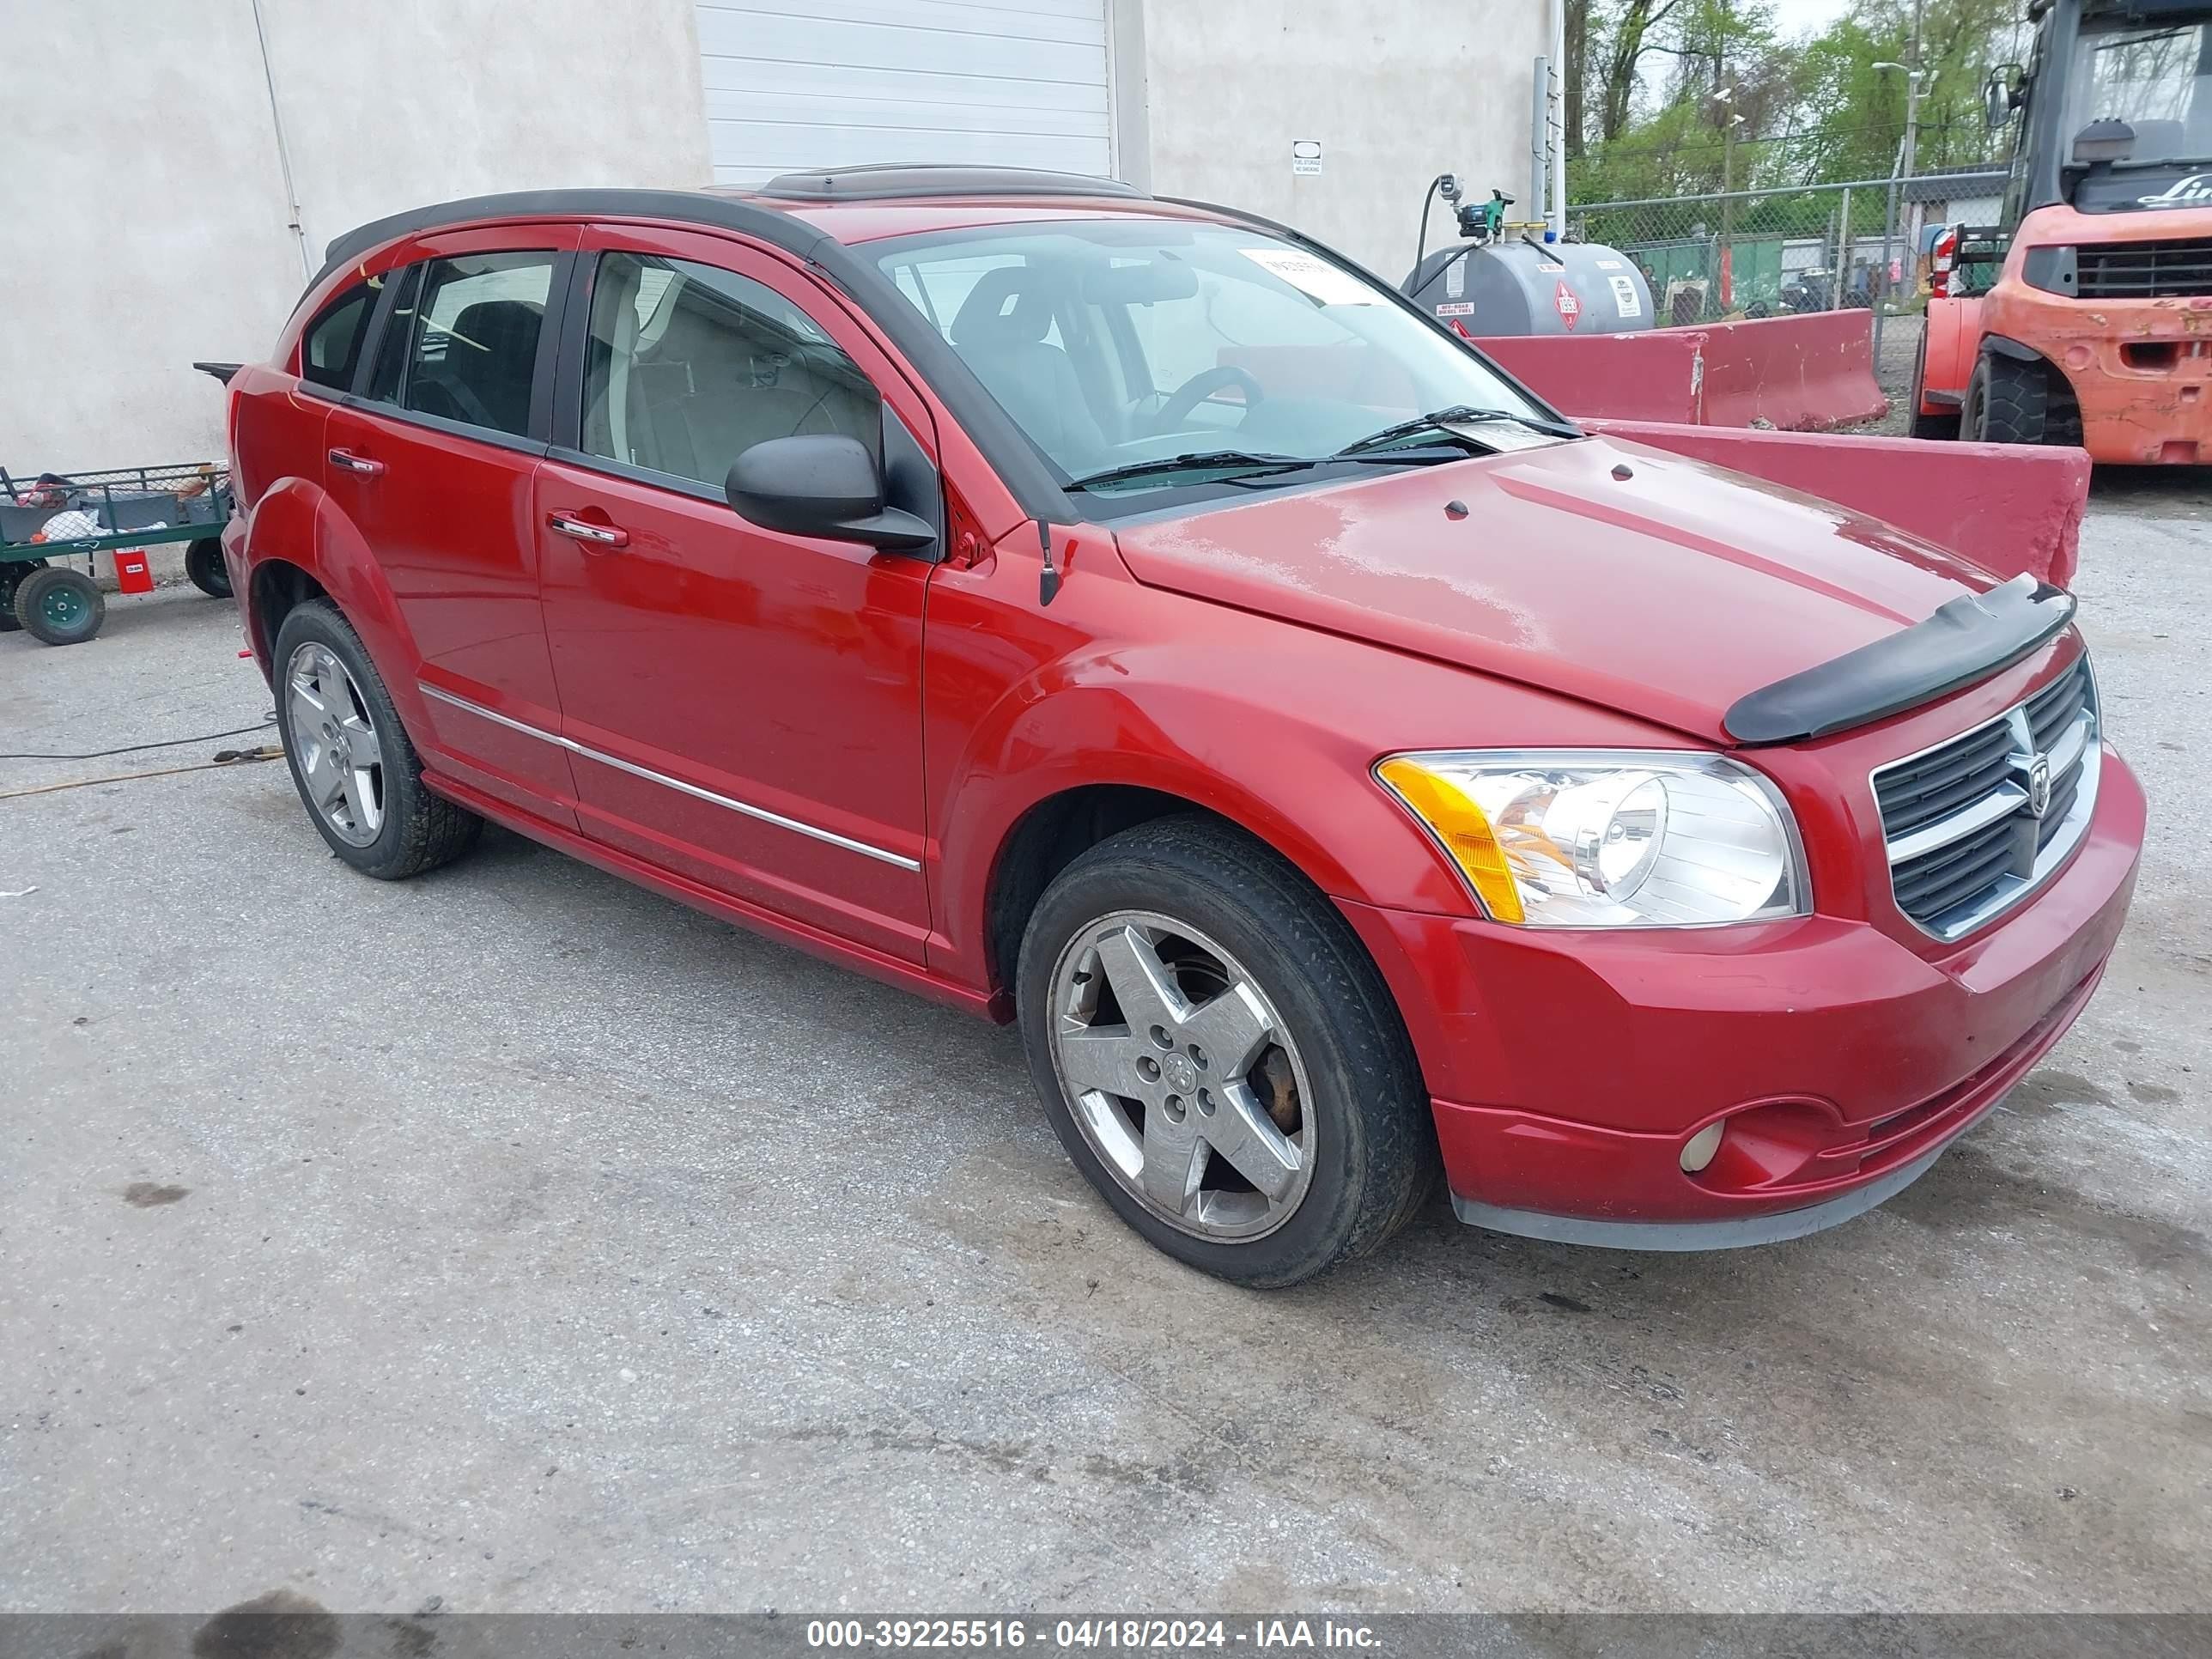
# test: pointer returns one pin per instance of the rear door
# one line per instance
(744, 706)
(431, 465)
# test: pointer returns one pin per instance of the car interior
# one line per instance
(1107, 354)
(688, 367)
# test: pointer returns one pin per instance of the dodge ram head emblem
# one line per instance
(2039, 786)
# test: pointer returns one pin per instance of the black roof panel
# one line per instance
(888, 181)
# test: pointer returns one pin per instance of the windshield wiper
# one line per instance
(1243, 462)
(1444, 420)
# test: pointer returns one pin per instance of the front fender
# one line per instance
(1123, 684)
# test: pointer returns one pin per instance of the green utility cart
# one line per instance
(47, 524)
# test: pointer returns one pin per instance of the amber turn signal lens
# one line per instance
(1460, 826)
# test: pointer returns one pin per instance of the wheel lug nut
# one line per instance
(1198, 1056)
(1161, 1038)
(1149, 1069)
(1206, 1102)
(1175, 1107)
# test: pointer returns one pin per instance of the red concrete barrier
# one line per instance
(1800, 374)
(2008, 508)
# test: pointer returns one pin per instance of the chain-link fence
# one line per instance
(1750, 253)
(1809, 247)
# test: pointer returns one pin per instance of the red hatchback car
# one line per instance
(1127, 617)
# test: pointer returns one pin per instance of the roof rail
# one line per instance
(884, 181)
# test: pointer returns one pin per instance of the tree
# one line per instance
(1795, 112)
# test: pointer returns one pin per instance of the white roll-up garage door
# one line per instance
(822, 83)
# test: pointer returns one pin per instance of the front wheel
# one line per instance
(13, 575)
(59, 606)
(356, 769)
(1220, 1058)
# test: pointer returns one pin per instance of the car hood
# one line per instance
(1665, 593)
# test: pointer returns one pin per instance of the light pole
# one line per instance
(1915, 86)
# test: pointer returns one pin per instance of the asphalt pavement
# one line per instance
(519, 1239)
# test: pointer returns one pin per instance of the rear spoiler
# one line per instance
(221, 371)
(1967, 640)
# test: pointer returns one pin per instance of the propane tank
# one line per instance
(1505, 278)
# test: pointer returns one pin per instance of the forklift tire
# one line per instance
(204, 564)
(12, 575)
(1939, 428)
(60, 606)
(2008, 402)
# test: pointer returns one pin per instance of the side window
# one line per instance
(332, 345)
(688, 366)
(471, 342)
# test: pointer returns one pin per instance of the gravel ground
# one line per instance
(515, 1237)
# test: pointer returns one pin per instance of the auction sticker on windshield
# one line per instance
(1317, 277)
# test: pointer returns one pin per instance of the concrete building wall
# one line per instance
(1397, 91)
(150, 224)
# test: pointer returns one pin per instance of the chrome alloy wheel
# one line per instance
(335, 744)
(1185, 1079)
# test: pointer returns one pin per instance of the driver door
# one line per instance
(743, 707)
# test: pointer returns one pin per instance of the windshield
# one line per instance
(1115, 343)
(2158, 80)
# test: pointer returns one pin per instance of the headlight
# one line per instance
(1608, 838)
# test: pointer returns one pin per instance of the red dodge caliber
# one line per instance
(1129, 618)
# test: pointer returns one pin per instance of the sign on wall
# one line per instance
(1305, 157)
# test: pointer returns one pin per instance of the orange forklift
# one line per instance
(2086, 316)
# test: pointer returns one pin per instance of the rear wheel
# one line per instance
(356, 770)
(60, 606)
(1220, 1058)
(2008, 402)
(204, 564)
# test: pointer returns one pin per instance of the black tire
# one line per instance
(59, 606)
(12, 576)
(204, 564)
(2008, 402)
(1935, 428)
(420, 831)
(1376, 1151)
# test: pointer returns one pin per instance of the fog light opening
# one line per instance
(1699, 1151)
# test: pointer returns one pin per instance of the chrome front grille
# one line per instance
(1975, 824)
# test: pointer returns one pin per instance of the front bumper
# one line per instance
(1842, 1058)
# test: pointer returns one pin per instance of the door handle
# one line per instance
(582, 530)
(353, 463)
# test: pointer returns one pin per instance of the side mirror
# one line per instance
(2001, 95)
(823, 484)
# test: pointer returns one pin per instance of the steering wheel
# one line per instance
(1196, 390)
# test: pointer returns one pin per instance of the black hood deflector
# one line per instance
(1967, 640)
